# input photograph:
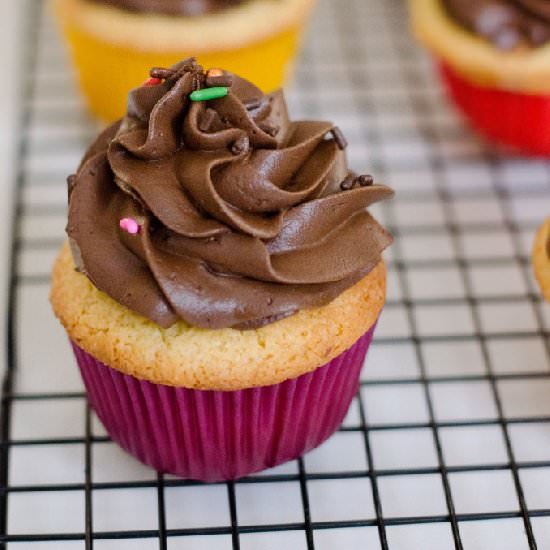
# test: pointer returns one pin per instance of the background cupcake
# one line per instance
(228, 276)
(541, 258)
(115, 42)
(494, 58)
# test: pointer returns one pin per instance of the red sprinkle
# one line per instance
(152, 82)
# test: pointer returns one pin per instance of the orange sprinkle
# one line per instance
(214, 72)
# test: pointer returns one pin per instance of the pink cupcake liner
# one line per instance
(217, 435)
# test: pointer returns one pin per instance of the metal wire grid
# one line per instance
(361, 69)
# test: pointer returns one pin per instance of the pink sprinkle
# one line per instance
(130, 225)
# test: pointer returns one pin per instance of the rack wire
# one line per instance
(447, 443)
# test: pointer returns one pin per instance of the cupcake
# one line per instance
(541, 258)
(494, 59)
(222, 277)
(115, 42)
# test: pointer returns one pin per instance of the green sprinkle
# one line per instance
(207, 94)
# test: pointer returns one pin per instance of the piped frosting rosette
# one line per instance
(240, 216)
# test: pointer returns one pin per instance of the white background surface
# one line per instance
(10, 35)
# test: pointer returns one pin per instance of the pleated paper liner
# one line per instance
(217, 435)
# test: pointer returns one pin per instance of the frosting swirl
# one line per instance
(189, 8)
(245, 217)
(506, 23)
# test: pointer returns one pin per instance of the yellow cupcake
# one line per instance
(114, 48)
(541, 258)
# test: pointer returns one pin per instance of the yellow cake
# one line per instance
(225, 359)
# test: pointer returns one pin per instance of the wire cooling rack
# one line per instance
(448, 443)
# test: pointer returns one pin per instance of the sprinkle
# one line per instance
(268, 128)
(348, 182)
(129, 225)
(206, 94)
(159, 72)
(216, 77)
(152, 82)
(207, 119)
(214, 72)
(339, 138)
(241, 145)
(365, 180)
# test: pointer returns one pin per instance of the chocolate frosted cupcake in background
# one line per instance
(115, 42)
(222, 276)
(541, 258)
(494, 59)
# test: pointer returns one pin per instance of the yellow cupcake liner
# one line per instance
(108, 71)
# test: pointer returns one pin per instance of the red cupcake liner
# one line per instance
(217, 435)
(514, 119)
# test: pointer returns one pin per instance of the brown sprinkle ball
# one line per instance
(352, 181)
(365, 180)
(241, 145)
(339, 138)
(347, 184)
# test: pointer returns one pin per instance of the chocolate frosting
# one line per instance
(243, 215)
(188, 8)
(506, 23)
